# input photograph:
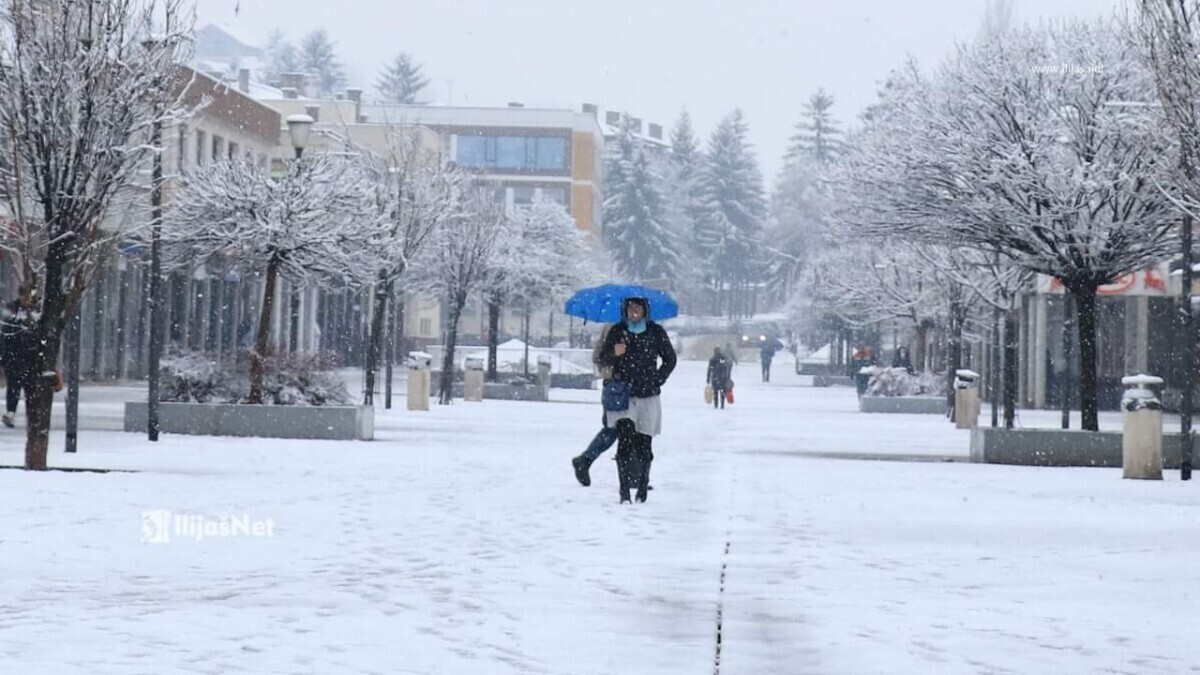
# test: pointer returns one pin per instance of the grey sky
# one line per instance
(651, 58)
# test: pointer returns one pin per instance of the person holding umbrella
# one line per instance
(633, 349)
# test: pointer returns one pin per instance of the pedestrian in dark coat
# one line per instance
(634, 348)
(901, 360)
(720, 374)
(16, 353)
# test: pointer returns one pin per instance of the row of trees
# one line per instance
(401, 80)
(405, 221)
(700, 218)
(1033, 150)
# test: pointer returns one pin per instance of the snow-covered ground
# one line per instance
(459, 542)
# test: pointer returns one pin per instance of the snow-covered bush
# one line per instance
(192, 377)
(290, 379)
(897, 382)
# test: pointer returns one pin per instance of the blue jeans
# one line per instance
(603, 441)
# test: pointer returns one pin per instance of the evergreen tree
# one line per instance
(731, 232)
(281, 57)
(402, 81)
(797, 215)
(685, 210)
(635, 227)
(685, 152)
(817, 134)
(318, 58)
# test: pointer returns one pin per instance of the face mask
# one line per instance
(636, 327)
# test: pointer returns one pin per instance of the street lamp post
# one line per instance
(1189, 354)
(156, 290)
(299, 127)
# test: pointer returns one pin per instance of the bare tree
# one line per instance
(415, 191)
(456, 262)
(315, 222)
(83, 83)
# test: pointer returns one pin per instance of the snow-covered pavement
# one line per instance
(459, 542)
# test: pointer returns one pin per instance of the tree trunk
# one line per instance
(1085, 311)
(1011, 338)
(525, 337)
(447, 380)
(493, 309)
(375, 339)
(954, 353)
(390, 348)
(122, 312)
(994, 376)
(922, 346)
(56, 309)
(258, 357)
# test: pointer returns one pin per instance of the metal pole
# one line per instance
(156, 289)
(73, 330)
(1064, 385)
(1189, 355)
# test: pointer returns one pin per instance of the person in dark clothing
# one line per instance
(607, 435)
(633, 349)
(720, 370)
(766, 354)
(862, 358)
(901, 360)
(16, 353)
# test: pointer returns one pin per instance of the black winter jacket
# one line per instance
(16, 340)
(639, 366)
(719, 372)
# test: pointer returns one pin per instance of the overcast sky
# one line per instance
(653, 58)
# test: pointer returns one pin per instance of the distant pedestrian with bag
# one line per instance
(720, 371)
(641, 357)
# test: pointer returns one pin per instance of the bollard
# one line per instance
(1141, 439)
(966, 399)
(473, 379)
(418, 380)
(543, 370)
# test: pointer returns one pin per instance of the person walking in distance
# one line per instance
(634, 349)
(719, 374)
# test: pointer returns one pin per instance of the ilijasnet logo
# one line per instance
(164, 526)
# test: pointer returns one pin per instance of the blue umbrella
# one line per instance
(602, 304)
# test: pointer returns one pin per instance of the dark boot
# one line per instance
(644, 457)
(581, 470)
(624, 477)
(626, 449)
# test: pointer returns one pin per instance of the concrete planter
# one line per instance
(507, 392)
(268, 421)
(912, 405)
(832, 381)
(1060, 447)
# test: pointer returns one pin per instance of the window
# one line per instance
(510, 152)
(523, 197)
(555, 194)
(201, 143)
(551, 153)
(529, 153)
(183, 147)
(233, 151)
(426, 327)
(472, 150)
(218, 148)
